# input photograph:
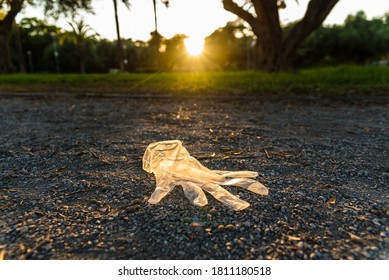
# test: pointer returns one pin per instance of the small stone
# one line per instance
(136, 201)
(277, 207)
(313, 225)
(48, 247)
(213, 211)
(366, 254)
(230, 227)
(220, 227)
(133, 208)
(247, 224)
(300, 245)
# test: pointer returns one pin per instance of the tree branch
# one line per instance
(267, 14)
(231, 6)
(15, 8)
(316, 13)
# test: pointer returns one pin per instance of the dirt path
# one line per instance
(72, 186)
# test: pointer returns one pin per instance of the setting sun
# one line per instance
(194, 45)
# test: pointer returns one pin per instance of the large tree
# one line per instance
(276, 47)
(10, 9)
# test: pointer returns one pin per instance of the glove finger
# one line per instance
(162, 189)
(248, 184)
(237, 174)
(194, 193)
(225, 197)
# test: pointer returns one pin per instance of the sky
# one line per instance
(195, 18)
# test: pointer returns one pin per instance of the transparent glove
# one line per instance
(172, 165)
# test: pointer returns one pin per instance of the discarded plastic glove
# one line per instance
(172, 165)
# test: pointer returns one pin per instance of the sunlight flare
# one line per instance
(194, 45)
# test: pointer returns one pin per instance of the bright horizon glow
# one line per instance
(194, 18)
(194, 45)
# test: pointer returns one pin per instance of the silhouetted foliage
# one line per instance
(230, 47)
(175, 54)
(358, 40)
(12, 9)
(37, 38)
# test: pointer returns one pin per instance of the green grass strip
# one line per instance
(329, 80)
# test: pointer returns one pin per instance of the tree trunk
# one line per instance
(275, 49)
(81, 53)
(82, 64)
(19, 46)
(155, 15)
(269, 36)
(119, 42)
(5, 33)
(272, 59)
(5, 57)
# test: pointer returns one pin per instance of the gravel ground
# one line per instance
(72, 185)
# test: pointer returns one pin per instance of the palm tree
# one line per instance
(156, 38)
(79, 35)
(166, 3)
(119, 39)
